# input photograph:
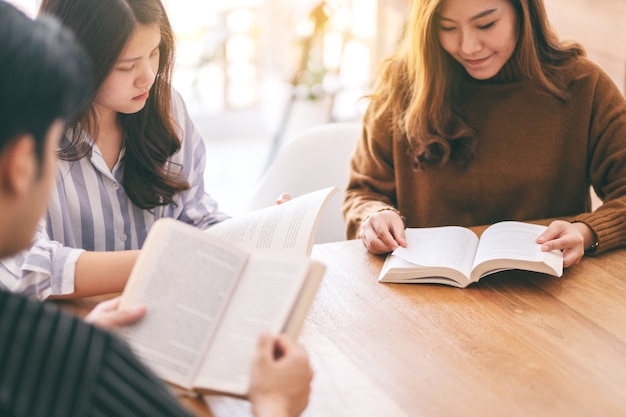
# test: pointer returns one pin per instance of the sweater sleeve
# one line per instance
(607, 165)
(372, 184)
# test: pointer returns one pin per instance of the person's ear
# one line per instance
(18, 166)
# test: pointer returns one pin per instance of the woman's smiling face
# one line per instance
(480, 34)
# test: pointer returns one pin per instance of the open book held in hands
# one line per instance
(289, 227)
(208, 300)
(454, 255)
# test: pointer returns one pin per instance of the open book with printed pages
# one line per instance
(208, 299)
(289, 227)
(207, 302)
(456, 256)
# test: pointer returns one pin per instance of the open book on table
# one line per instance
(208, 299)
(455, 255)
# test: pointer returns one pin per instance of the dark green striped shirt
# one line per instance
(54, 364)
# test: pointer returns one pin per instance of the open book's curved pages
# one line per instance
(454, 255)
(208, 299)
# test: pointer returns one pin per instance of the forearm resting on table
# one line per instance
(100, 273)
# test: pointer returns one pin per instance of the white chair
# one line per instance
(312, 159)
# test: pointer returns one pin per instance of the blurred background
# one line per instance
(254, 72)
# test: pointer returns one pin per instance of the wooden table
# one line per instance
(514, 344)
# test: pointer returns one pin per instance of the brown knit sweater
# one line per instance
(535, 158)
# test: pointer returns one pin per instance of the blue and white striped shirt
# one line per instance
(89, 210)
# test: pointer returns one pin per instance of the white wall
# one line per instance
(600, 26)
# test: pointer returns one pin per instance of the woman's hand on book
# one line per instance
(106, 315)
(280, 383)
(383, 231)
(570, 238)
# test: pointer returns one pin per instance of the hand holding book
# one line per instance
(383, 231)
(209, 294)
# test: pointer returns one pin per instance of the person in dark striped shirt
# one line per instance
(51, 363)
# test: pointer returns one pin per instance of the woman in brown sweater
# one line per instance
(482, 115)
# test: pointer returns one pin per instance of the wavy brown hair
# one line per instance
(150, 136)
(417, 85)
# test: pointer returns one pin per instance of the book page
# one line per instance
(185, 278)
(288, 227)
(262, 302)
(308, 291)
(449, 246)
(397, 270)
(515, 241)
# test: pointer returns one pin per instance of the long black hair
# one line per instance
(103, 27)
